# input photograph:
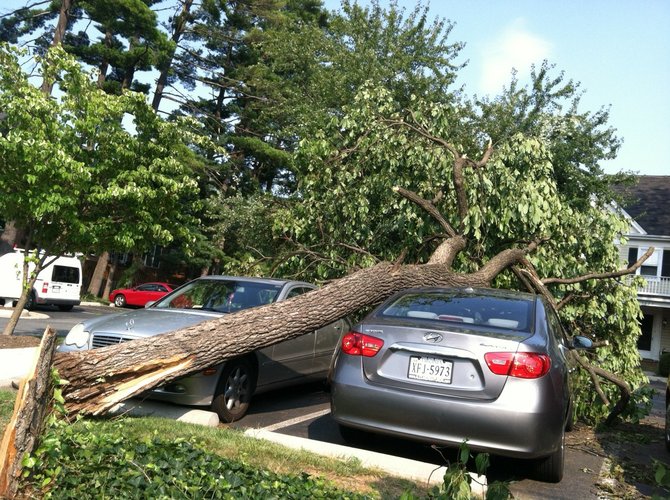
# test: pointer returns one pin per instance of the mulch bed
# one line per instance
(16, 341)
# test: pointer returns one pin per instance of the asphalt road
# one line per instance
(305, 412)
(62, 321)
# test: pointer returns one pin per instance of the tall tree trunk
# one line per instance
(59, 34)
(110, 277)
(98, 274)
(179, 27)
(104, 65)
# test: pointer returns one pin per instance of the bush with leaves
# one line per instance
(84, 460)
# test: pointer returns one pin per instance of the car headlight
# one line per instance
(77, 336)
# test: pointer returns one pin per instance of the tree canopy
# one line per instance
(307, 123)
(89, 170)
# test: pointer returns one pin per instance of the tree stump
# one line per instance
(33, 402)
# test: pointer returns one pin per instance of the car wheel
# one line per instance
(667, 427)
(234, 391)
(65, 308)
(120, 301)
(30, 303)
(550, 469)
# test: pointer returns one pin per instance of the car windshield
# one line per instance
(512, 313)
(224, 296)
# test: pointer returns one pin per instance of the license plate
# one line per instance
(430, 369)
(55, 289)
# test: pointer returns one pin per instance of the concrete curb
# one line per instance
(138, 408)
(6, 312)
(397, 466)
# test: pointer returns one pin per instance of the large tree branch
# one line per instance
(599, 276)
(503, 260)
(624, 388)
(460, 160)
(427, 206)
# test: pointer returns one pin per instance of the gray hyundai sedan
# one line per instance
(227, 387)
(447, 365)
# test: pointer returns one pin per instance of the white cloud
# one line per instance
(517, 48)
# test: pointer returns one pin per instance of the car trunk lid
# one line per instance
(442, 359)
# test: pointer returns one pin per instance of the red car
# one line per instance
(140, 295)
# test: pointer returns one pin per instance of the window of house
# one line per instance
(153, 257)
(651, 265)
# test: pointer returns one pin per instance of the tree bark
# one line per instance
(98, 274)
(179, 26)
(110, 278)
(61, 27)
(33, 402)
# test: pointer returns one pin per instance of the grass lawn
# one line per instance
(217, 444)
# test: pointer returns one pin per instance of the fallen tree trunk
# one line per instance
(33, 402)
(99, 379)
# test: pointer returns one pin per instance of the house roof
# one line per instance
(648, 202)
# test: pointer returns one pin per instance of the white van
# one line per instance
(57, 284)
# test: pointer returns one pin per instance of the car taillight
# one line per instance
(358, 344)
(520, 364)
(45, 287)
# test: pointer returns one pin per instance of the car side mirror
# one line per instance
(581, 342)
(149, 303)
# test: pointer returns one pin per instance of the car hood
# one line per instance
(148, 322)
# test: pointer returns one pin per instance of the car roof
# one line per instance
(489, 292)
(248, 279)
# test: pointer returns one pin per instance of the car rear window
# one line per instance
(510, 313)
(65, 274)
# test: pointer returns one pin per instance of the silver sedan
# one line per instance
(227, 387)
(447, 365)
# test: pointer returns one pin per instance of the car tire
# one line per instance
(120, 300)
(65, 308)
(550, 469)
(234, 390)
(30, 303)
(667, 427)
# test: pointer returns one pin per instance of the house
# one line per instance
(647, 205)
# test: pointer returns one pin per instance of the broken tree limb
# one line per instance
(600, 276)
(428, 207)
(593, 371)
(101, 378)
(33, 402)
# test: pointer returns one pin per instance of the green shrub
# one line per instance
(84, 460)
(79, 461)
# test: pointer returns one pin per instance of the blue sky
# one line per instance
(618, 49)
